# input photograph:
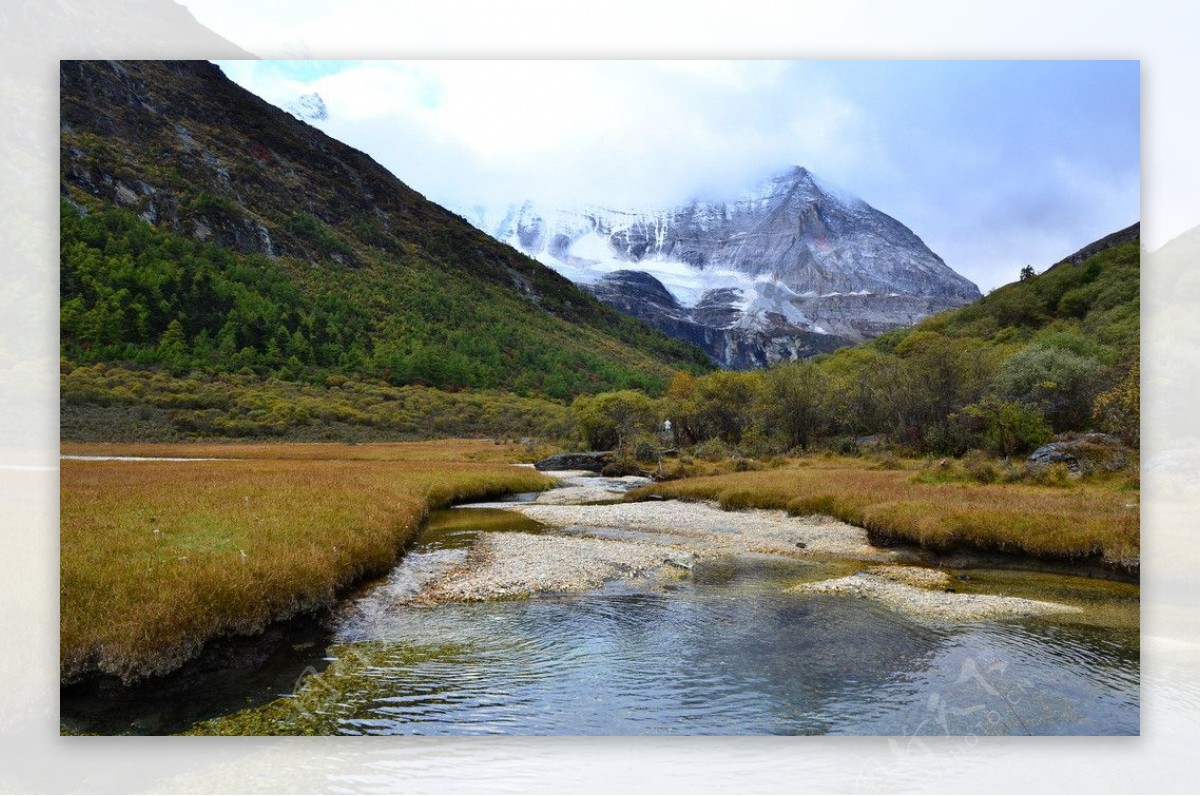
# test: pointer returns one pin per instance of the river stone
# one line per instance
(1083, 453)
(871, 442)
(593, 461)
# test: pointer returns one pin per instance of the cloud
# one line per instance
(992, 163)
(613, 131)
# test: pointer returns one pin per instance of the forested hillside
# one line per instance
(1053, 352)
(207, 233)
(137, 294)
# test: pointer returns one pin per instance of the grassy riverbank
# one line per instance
(1063, 520)
(159, 557)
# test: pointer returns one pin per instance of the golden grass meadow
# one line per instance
(158, 557)
(911, 503)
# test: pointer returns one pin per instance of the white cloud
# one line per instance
(613, 131)
(936, 146)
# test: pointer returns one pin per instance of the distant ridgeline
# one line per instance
(205, 231)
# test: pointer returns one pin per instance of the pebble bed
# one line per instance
(922, 593)
(713, 529)
(519, 564)
(588, 545)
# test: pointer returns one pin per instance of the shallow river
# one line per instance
(722, 650)
(718, 649)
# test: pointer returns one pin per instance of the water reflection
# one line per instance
(712, 660)
(724, 651)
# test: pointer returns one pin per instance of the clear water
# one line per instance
(722, 652)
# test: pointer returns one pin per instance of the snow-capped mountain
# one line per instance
(308, 107)
(790, 269)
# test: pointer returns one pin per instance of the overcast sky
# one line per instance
(994, 164)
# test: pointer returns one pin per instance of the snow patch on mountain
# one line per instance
(795, 255)
(308, 107)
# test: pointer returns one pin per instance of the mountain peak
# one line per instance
(309, 107)
(801, 177)
(794, 256)
(800, 173)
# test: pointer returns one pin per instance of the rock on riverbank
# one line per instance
(592, 461)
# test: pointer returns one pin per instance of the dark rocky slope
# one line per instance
(315, 252)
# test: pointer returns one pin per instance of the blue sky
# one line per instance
(995, 164)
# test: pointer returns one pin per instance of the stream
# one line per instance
(719, 648)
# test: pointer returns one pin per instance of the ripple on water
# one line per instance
(709, 662)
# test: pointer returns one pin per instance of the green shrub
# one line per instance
(613, 419)
(712, 450)
(645, 450)
(1007, 427)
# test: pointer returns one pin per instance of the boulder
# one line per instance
(1083, 453)
(589, 460)
(871, 442)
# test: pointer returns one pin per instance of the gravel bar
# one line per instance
(519, 564)
(588, 545)
(921, 593)
(712, 528)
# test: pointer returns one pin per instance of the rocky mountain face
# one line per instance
(793, 268)
(713, 324)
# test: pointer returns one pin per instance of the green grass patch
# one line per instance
(103, 403)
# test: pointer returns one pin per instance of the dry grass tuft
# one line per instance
(159, 557)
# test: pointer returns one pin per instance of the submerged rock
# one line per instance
(681, 560)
